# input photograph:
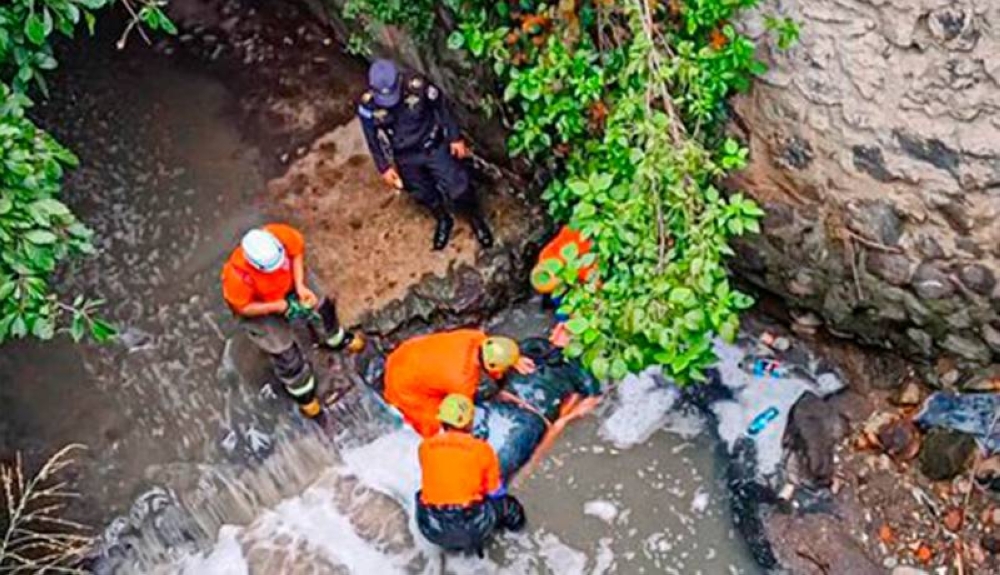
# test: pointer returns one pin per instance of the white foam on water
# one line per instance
(700, 502)
(226, 558)
(602, 509)
(561, 558)
(684, 423)
(389, 464)
(643, 406)
(605, 560)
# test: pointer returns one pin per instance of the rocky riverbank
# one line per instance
(865, 490)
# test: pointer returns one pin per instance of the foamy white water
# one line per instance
(614, 496)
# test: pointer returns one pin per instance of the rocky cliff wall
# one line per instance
(876, 152)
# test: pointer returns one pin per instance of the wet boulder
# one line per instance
(945, 454)
(814, 428)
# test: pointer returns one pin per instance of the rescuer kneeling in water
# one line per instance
(462, 498)
(264, 283)
(548, 276)
(424, 370)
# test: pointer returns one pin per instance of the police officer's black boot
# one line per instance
(469, 204)
(443, 229)
(482, 230)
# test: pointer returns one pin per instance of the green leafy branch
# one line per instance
(625, 99)
(38, 231)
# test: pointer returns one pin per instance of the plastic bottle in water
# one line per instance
(763, 418)
(761, 367)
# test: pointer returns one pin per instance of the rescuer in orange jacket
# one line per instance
(547, 277)
(424, 370)
(264, 283)
(462, 499)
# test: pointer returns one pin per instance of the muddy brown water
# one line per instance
(168, 181)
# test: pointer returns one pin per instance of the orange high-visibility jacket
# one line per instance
(457, 469)
(565, 237)
(424, 370)
(243, 284)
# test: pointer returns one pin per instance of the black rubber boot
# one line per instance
(327, 330)
(442, 232)
(482, 230)
(512, 515)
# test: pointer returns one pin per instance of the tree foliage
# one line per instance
(625, 99)
(38, 231)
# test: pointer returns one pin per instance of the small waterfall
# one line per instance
(164, 524)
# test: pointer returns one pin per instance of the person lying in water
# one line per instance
(424, 370)
(462, 499)
(548, 280)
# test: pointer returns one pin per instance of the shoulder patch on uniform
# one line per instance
(432, 92)
(417, 83)
(364, 112)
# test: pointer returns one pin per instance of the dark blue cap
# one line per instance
(383, 79)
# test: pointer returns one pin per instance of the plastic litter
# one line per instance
(764, 367)
(760, 422)
(974, 414)
(775, 342)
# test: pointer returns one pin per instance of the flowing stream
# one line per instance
(191, 469)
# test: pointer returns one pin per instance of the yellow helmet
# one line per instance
(457, 411)
(545, 276)
(500, 354)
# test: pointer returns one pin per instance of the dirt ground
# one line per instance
(371, 244)
(368, 245)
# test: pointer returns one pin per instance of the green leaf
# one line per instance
(682, 296)
(34, 29)
(577, 325)
(602, 181)
(77, 327)
(41, 237)
(43, 329)
(167, 25)
(456, 40)
(619, 369)
(600, 367)
(102, 331)
(19, 328)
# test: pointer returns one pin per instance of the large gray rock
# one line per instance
(884, 121)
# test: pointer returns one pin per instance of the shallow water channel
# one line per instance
(179, 447)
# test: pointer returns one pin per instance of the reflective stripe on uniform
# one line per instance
(308, 387)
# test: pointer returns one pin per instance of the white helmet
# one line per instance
(263, 250)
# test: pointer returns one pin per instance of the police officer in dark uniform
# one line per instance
(416, 144)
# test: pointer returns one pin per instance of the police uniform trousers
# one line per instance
(436, 179)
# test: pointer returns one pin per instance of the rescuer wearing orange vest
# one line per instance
(546, 277)
(264, 283)
(424, 370)
(462, 498)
